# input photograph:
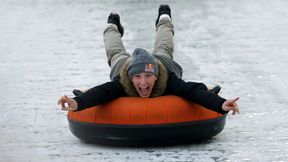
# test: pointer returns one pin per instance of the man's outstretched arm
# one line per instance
(95, 96)
(198, 93)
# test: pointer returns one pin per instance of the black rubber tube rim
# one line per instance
(147, 135)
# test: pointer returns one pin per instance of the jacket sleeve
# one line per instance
(195, 92)
(100, 94)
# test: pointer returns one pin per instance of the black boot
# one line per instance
(114, 18)
(163, 9)
(215, 90)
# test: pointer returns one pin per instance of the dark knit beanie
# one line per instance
(142, 61)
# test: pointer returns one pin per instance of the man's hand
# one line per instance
(231, 105)
(67, 104)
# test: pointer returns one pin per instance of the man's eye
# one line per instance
(137, 76)
(148, 75)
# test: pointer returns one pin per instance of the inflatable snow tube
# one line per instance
(131, 121)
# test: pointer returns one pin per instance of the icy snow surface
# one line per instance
(49, 47)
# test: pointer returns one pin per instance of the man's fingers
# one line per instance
(231, 105)
(68, 100)
(66, 97)
(229, 108)
(236, 99)
(60, 100)
(235, 110)
(63, 99)
(67, 109)
(67, 104)
(235, 105)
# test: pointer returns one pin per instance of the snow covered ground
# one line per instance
(49, 47)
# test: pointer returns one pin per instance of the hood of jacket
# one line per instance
(159, 86)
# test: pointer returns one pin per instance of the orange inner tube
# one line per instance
(135, 110)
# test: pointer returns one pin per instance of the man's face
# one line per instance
(144, 83)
